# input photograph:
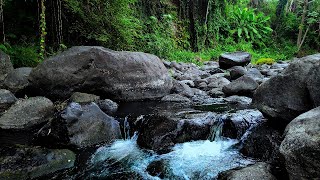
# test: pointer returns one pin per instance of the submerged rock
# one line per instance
(32, 162)
(258, 171)
(287, 95)
(17, 80)
(89, 125)
(6, 99)
(301, 146)
(228, 60)
(27, 113)
(119, 75)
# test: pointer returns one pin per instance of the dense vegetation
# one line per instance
(179, 30)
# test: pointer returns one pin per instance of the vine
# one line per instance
(42, 30)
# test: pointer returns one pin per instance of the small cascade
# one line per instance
(202, 159)
(216, 130)
(126, 128)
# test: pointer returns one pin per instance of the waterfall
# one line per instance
(216, 130)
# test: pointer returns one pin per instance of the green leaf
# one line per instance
(239, 32)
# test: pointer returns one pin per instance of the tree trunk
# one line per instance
(3, 36)
(193, 31)
(301, 26)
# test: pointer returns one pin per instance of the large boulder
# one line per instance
(17, 80)
(6, 99)
(5, 66)
(88, 125)
(287, 95)
(301, 146)
(119, 75)
(258, 171)
(28, 163)
(244, 85)
(228, 60)
(27, 113)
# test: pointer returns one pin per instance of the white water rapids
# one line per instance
(191, 160)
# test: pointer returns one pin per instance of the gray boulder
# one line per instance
(17, 79)
(6, 99)
(287, 95)
(228, 60)
(301, 146)
(181, 88)
(88, 125)
(236, 72)
(5, 66)
(244, 85)
(125, 76)
(28, 163)
(27, 113)
(258, 171)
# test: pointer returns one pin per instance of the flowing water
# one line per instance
(202, 159)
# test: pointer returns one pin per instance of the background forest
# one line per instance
(179, 30)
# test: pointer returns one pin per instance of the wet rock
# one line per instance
(218, 82)
(158, 168)
(89, 125)
(27, 113)
(301, 146)
(125, 76)
(17, 79)
(216, 92)
(108, 106)
(262, 142)
(188, 82)
(260, 170)
(244, 85)
(181, 88)
(161, 133)
(228, 60)
(255, 74)
(6, 99)
(239, 101)
(235, 125)
(236, 72)
(28, 163)
(175, 98)
(5, 66)
(202, 85)
(79, 97)
(199, 92)
(284, 97)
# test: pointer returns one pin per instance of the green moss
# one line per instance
(268, 61)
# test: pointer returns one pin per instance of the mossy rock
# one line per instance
(32, 162)
(268, 61)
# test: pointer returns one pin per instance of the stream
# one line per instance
(124, 159)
